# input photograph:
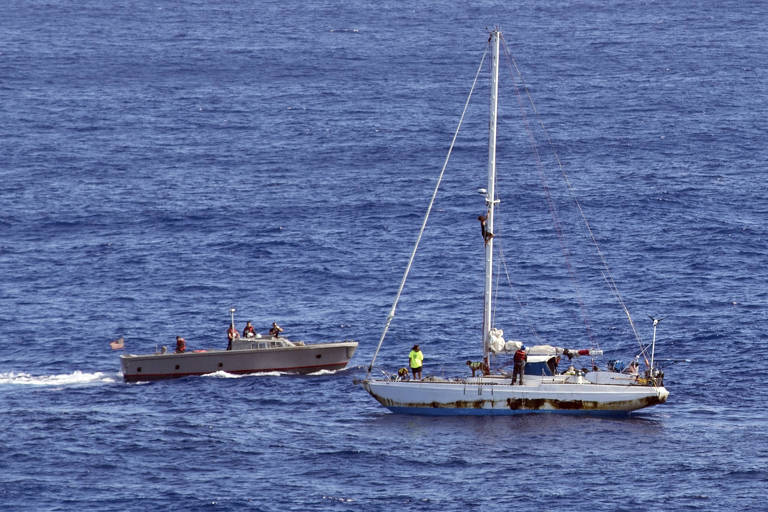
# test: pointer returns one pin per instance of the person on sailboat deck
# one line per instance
(553, 363)
(476, 366)
(520, 359)
(248, 332)
(181, 345)
(487, 235)
(275, 330)
(416, 358)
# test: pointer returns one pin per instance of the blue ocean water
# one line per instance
(163, 161)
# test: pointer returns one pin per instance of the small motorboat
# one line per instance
(252, 354)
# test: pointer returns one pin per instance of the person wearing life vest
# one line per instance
(275, 330)
(181, 345)
(248, 332)
(416, 357)
(476, 366)
(232, 335)
(520, 359)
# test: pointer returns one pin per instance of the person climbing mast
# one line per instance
(487, 235)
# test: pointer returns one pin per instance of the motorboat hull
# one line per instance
(496, 396)
(300, 359)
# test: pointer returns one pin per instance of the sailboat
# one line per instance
(594, 391)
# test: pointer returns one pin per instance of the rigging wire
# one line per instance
(426, 216)
(502, 262)
(607, 274)
(550, 202)
(519, 301)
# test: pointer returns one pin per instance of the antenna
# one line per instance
(656, 322)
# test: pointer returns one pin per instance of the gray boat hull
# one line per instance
(294, 359)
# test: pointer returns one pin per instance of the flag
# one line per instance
(118, 344)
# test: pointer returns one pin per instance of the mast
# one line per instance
(491, 194)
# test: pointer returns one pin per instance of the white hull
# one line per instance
(496, 396)
(292, 359)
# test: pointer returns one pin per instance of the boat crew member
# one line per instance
(487, 235)
(248, 332)
(416, 357)
(476, 366)
(552, 364)
(232, 335)
(520, 359)
(275, 330)
(181, 345)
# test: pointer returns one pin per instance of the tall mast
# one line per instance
(489, 199)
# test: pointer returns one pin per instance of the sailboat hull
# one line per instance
(487, 397)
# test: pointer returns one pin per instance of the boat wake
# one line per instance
(325, 372)
(66, 379)
(224, 375)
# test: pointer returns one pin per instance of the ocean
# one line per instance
(164, 161)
